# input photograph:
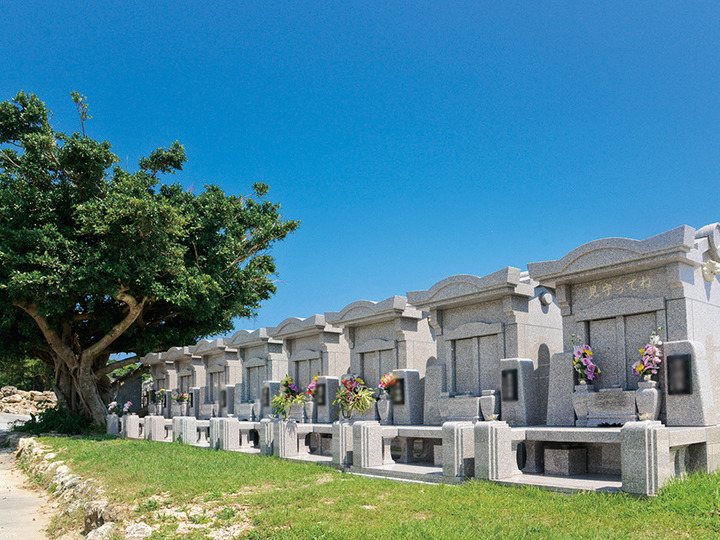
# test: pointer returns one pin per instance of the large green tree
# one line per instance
(96, 260)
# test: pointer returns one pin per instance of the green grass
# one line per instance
(282, 499)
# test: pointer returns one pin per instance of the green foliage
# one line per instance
(289, 395)
(82, 241)
(59, 420)
(353, 396)
(26, 374)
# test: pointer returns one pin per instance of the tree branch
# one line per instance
(134, 309)
(50, 335)
(109, 368)
(12, 162)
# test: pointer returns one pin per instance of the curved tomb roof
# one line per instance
(210, 346)
(367, 312)
(177, 353)
(465, 289)
(252, 338)
(615, 255)
(294, 327)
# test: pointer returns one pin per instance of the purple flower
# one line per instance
(590, 372)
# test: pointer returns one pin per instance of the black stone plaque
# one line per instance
(165, 400)
(509, 391)
(223, 398)
(190, 400)
(321, 394)
(679, 374)
(397, 392)
(266, 397)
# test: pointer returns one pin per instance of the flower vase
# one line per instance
(647, 399)
(309, 408)
(184, 408)
(580, 399)
(296, 413)
(489, 405)
(385, 408)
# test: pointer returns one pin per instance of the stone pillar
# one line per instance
(522, 408)
(435, 384)
(407, 398)
(266, 436)
(285, 443)
(196, 397)
(229, 434)
(560, 410)
(215, 433)
(694, 404)
(167, 404)
(230, 400)
(112, 424)
(645, 457)
(342, 443)
(326, 412)
(131, 426)
(188, 430)
(176, 427)
(267, 392)
(367, 444)
(240, 410)
(458, 449)
(494, 458)
(154, 428)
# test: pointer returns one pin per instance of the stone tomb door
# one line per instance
(306, 367)
(476, 364)
(616, 343)
(375, 364)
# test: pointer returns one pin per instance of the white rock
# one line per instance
(138, 531)
(102, 533)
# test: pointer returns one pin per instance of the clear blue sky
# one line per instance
(414, 140)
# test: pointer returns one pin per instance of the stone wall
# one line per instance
(14, 401)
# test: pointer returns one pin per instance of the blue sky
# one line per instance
(414, 140)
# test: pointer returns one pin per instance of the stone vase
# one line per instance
(184, 407)
(297, 413)
(152, 409)
(647, 399)
(580, 400)
(309, 410)
(488, 405)
(385, 408)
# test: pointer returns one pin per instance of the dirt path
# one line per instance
(24, 512)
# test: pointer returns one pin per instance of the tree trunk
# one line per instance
(78, 390)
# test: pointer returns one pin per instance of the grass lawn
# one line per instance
(281, 499)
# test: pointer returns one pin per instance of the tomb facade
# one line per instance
(492, 331)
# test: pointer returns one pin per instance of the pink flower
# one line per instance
(590, 372)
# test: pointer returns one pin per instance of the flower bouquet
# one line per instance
(312, 387)
(651, 359)
(114, 407)
(388, 380)
(289, 395)
(583, 361)
(353, 396)
(181, 397)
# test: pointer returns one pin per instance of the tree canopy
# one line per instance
(97, 260)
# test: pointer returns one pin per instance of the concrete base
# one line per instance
(565, 461)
